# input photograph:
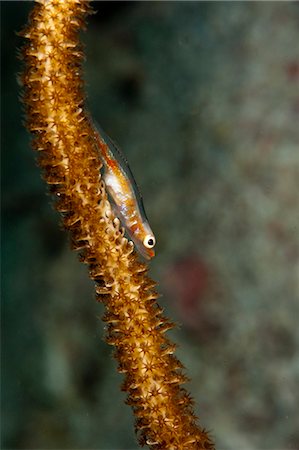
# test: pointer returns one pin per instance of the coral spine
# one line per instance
(62, 134)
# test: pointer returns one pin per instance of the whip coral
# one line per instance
(63, 137)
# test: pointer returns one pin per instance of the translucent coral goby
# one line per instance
(127, 200)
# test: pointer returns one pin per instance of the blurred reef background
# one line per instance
(204, 99)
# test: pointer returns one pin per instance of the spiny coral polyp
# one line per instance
(54, 103)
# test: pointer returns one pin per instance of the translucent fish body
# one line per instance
(127, 200)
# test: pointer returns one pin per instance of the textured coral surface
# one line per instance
(203, 97)
(53, 98)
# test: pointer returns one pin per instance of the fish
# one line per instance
(126, 198)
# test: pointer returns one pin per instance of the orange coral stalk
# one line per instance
(53, 99)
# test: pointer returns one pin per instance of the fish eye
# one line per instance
(149, 241)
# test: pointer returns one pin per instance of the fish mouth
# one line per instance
(151, 253)
(146, 253)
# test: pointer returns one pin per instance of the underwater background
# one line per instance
(203, 97)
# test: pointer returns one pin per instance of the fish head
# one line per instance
(144, 241)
